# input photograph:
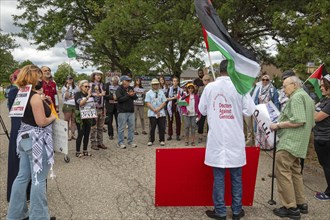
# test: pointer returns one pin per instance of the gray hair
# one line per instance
(115, 78)
(82, 82)
(296, 80)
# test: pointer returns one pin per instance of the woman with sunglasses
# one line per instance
(36, 152)
(190, 113)
(83, 125)
(266, 93)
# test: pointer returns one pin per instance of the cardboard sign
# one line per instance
(60, 136)
(182, 178)
(88, 110)
(139, 94)
(20, 102)
(264, 115)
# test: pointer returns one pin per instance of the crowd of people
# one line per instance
(91, 107)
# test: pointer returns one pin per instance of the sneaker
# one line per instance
(136, 133)
(283, 212)
(214, 215)
(303, 208)
(162, 143)
(144, 132)
(121, 146)
(169, 138)
(149, 143)
(94, 147)
(239, 216)
(186, 143)
(178, 138)
(110, 137)
(192, 143)
(132, 145)
(322, 196)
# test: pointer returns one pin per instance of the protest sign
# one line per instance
(88, 110)
(20, 102)
(264, 115)
(60, 136)
(139, 93)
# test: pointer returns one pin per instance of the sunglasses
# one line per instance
(265, 80)
(87, 86)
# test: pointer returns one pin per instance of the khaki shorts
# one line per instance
(68, 108)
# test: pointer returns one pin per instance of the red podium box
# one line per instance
(182, 178)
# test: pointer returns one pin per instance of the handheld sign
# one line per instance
(265, 114)
(88, 110)
(20, 102)
(60, 136)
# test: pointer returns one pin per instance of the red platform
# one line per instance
(182, 178)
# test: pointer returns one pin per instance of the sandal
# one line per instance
(87, 154)
(79, 155)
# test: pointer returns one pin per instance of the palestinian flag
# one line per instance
(242, 66)
(314, 79)
(70, 47)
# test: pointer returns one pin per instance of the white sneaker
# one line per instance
(162, 143)
(132, 145)
(121, 146)
(149, 143)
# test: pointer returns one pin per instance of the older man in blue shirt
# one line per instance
(156, 101)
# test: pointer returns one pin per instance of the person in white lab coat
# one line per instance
(225, 147)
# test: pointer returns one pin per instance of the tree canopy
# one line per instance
(63, 71)
(7, 62)
(165, 35)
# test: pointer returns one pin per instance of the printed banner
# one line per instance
(88, 110)
(60, 136)
(20, 102)
(264, 115)
(140, 94)
(182, 178)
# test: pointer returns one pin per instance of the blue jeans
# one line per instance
(219, 190)
(38, 201)
(123, 119)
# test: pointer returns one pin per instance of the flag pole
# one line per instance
(312, 74)
(212, 70)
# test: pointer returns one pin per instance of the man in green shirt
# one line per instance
(294, 128)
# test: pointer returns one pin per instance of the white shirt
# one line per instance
(225, 107)
(191, 106)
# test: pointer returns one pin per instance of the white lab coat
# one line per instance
(225, 107)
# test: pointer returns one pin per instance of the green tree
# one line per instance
(305, 35)
(63, 71)
(7, 62)
(82, 76)
(129, 35)
(24, 63)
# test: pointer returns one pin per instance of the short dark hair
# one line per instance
(223, 66)
(200, 69)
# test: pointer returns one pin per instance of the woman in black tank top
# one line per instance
(36, 157)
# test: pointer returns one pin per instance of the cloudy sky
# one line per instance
(54, 56)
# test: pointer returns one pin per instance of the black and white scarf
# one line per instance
(40, 137)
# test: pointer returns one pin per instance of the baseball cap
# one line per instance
(69, 77)
(125, 77)
(287, 74)
(154, 81)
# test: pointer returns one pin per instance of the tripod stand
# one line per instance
(4, 127)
